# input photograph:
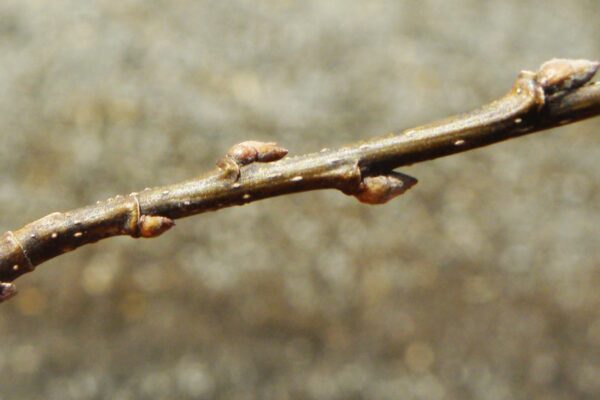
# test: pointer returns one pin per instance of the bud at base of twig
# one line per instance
(154, 225)
(381, 189)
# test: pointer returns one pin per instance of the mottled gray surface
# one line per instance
(481, 283)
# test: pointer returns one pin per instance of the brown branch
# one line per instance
(557, 94)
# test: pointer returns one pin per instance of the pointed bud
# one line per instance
(381, 189)
(559, 75)
(251, 151)
(154, 225)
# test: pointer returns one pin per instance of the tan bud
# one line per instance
(154, 225)
(381, 189)
(7, 290)
(559, 75)
(251, 151)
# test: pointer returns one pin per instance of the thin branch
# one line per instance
(560, 92)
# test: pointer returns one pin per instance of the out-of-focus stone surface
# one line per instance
(481, 282)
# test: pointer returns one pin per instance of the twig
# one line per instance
(560, 92)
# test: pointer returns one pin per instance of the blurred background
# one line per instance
(482, 282)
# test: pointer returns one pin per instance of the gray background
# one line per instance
(481, 282)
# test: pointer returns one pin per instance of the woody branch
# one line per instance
(253, 170)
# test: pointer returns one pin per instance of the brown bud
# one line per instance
(154, 225)
(7, 290)
(558, 75)
(381, 189)
(251, 151)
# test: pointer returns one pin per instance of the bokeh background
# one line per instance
(482, 282)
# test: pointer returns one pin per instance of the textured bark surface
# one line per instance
(560, 92)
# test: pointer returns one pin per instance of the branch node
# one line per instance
(132, 225)
(350, 177)
(147, 226)
(22, 260)
(230, 168)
